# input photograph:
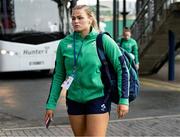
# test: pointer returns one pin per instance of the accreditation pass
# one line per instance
(67, 83)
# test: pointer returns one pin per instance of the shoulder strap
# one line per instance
(101, 54)
(99, 44)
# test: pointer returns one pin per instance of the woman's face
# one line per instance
(80, 20)
(127, 35)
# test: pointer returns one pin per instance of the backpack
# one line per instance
(109, 76)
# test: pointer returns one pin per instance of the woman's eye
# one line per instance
(77, 18)
(80, 18)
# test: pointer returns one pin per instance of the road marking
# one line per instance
(37, 127)
(111, 121)
(160, 84)
(146, 118)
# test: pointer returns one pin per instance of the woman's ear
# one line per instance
(90, 22)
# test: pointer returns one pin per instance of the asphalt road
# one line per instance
(23, 96)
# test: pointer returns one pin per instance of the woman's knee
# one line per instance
(97, 124)
(78, 124)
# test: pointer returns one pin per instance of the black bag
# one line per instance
(109, 76)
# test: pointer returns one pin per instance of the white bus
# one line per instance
(30, 31)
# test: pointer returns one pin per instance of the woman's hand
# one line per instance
(122, 110)
(137, 66)
(49, 114)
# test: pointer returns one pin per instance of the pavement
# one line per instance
(150, 126)
(161, 125)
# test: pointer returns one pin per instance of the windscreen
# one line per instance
(29, 15)
(34, 21)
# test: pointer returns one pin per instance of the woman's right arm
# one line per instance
(58, 77)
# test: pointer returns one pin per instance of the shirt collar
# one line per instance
(93, 33)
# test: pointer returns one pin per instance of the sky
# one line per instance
(87, 2)
(92, 2)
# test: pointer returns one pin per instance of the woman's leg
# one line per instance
(76, 112)
(96, 124)
(78, 124)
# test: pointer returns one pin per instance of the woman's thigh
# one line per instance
(96, 124)
(78, 124)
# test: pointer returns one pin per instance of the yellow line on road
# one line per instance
(146, 118)
(160, 84)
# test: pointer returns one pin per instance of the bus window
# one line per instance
(7, 16)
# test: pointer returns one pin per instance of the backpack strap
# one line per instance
(103, 58)
(107, 73)
(101, 54)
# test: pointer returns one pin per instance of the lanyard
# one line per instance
(75, 59)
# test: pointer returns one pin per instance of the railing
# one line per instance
(151, 15)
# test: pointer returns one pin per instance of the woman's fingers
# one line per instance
(49, 114)
(122, 110)
(122, 114)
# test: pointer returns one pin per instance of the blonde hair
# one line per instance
(89, 12)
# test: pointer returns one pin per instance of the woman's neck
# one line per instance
(84, 33)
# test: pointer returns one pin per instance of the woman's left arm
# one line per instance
(115, 56)
(117, 60)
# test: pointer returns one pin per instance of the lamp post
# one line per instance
(97, 12)
(115, 19)
(124, 13)
(171, 59)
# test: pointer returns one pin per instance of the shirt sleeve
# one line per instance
(135, 52)
(114, 54)
(57, 79)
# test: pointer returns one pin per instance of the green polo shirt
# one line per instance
(130, 46)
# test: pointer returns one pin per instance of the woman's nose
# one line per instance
(75, 20)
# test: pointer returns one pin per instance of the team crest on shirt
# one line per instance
(103, 107)
(69, 46)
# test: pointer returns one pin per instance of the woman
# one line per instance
(130, 45)
(77, 61)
